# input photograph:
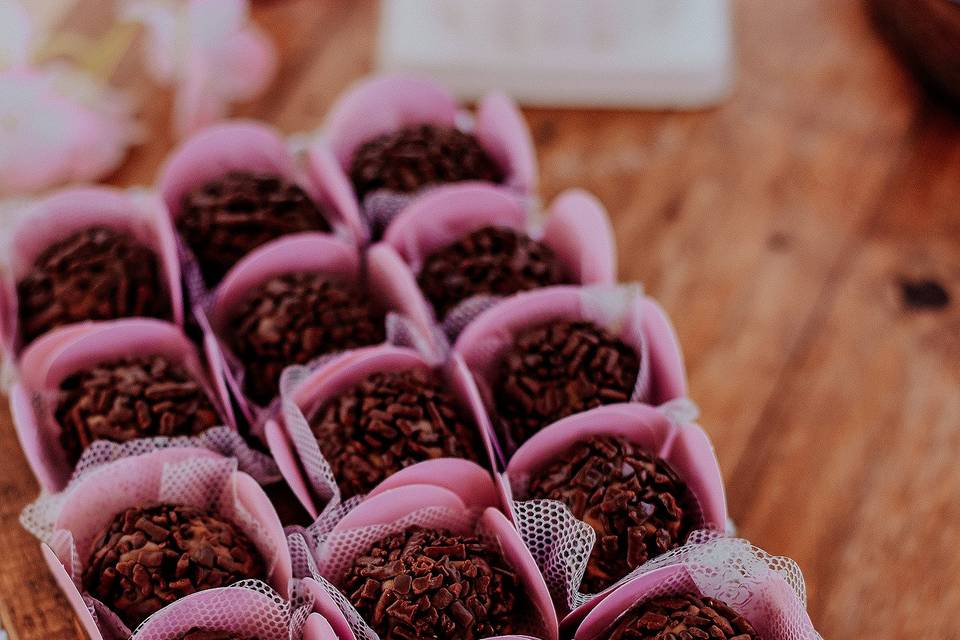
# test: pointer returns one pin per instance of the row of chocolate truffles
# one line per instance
(394, 411)
(237, 186)
(304, 295)
(307, 295)
(623, 474)
(366, 414)
(391, 412)
(416, 560)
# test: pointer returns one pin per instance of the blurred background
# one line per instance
(784, 177)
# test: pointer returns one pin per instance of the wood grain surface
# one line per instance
(785, 233)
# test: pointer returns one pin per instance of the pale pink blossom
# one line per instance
(58, 124)
(16, 34)
(209, 50)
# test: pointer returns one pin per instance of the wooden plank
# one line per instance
(735, 217)
(33, 607)
(858, 479)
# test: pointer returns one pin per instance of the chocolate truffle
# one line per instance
(431, 583)
(635, 502)
(413, 157)
(226, 219)
(204, 634)
(130, 398)
(560, 368)
(492, 261)
(688, 615)
(147, 557)
(292, 319)
(387, 422)
(93, 274)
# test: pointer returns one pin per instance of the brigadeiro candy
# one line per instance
(560, 368)
(225, 219)
(130, 398)
(684, 616)
(431, 583)
(148, 557)
(97, 273)
(493, 261)
(413, 157)
(636, 504)
(292, 319)
(388, 422)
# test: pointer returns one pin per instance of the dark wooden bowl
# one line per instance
(926, 34)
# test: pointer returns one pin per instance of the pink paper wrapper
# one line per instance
(301, 462)
(767, 590)
(576, 227)
(623, 310)
(426, 505)
(243, 145)
(560, 543)
(383, 277)
(251, 610)
(142, 216)
(69, 522)
(381, 104)
(62, 352)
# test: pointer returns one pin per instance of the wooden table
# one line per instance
(790, 234)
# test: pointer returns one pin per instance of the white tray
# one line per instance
(596, 53)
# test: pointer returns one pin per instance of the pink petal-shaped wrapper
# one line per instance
(636, 319)
(503, 132)
(296, 451)
(314, 252)
(766, 600)
(386, 280)
(185, 475)
(324, 171)
(686, 448)
(468, 480)
(319, 628)
(447, 213)
(577, 227)
(60, 353)
(182, 475)
(249, 611)
(61, 575)
(390, 506)
(397, 506)
(381, 104)
(326, 609)
(57, 216)
(242, 145)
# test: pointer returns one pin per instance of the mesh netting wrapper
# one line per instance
(68, 523)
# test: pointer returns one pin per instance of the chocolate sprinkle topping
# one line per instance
(128, 399)
(494, 261)
(94, 274)
(226, 219)
(387, 422)
(687, 616)
(294, 318)
(413, 157)
(635, 502)
(558, 369)
(430, 583)
(147, 557)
